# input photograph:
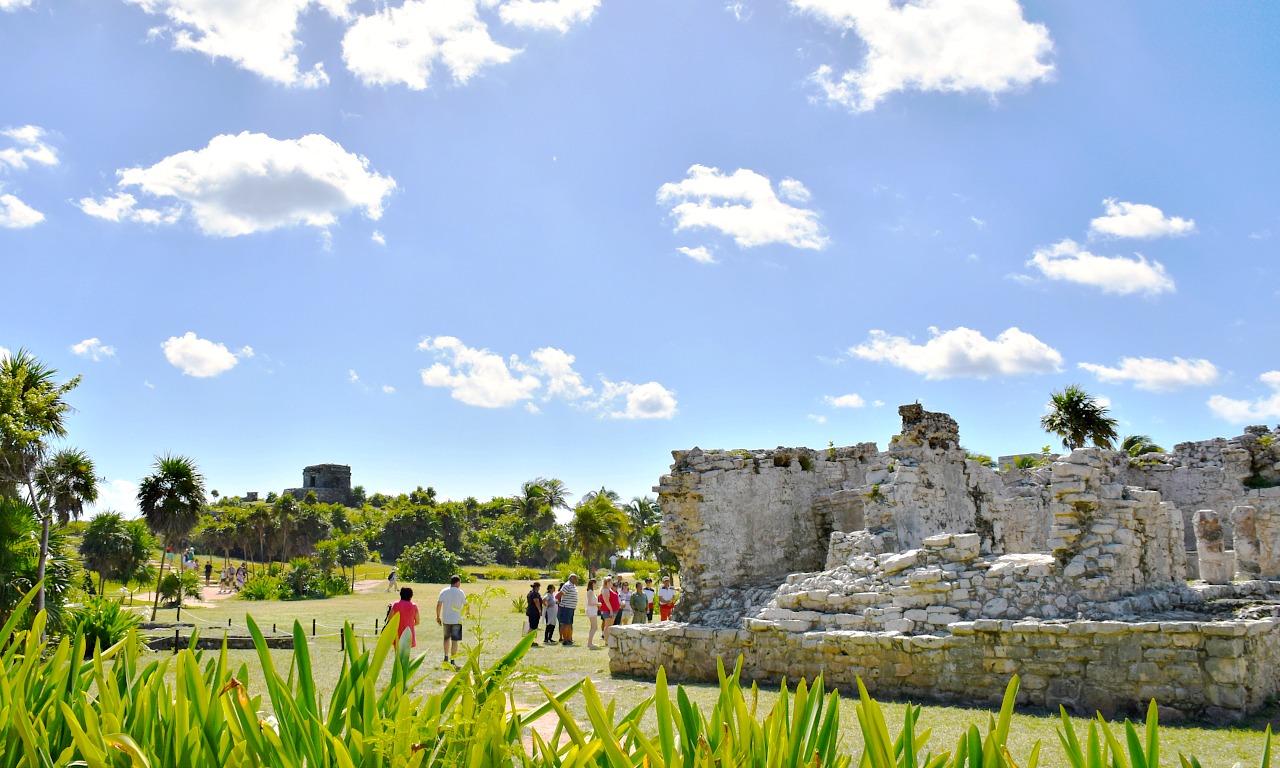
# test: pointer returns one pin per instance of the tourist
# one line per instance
(666, 599)
(567, 599)
(593, 614)
(392, 580)
(609, 607)
(624, 597)
(449, 615)
(407, 610)
(549, 608)
(640, 606)
(242, 575)
(533, 608)
(649, 593)
(228, 576)
(208, 571)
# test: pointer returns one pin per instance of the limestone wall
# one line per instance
(1217, 671)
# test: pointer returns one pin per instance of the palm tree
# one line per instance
(32, 411)
(641, 513)
(170, 500)
(1077, 417)
(556, 496)
(67, 483)
(599, 527)
(105, 543)
(1136, 445)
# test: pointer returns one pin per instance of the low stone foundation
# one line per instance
(1218, 671)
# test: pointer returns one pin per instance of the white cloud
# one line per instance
(845, 401)
(116, 495)
(15, 214)
(742, 205)
(401, 45)
(699, 254)
(378, 238)
(963, 353)
(4, 353)
(1242, 411)
(246, 183)
(1138, 220)
(387, 389)
(1112, 274)
(258, 36)
(796, 192)
(932, 45)
(977, 222)
(556, 367)
(641, 401)
(476, 376)
(547, 14)
(13, 5)
(148, 384)
(1155, 375)
(485, 379)
(29, 147)
(122, 206)
(93, 349)
(877, 403)
(199, 357)
(816, 417)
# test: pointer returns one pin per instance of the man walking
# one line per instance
(392, 581)
(568, 602)
(449, 608)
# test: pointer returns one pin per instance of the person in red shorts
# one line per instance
(666, 599)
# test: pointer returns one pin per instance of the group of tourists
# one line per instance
(233, 579)
(607, 607)
(613, 604)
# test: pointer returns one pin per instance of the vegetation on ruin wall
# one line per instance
(123, 707)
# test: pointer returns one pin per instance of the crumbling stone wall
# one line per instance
(1218, 671)
(331, 484)
(911, 566)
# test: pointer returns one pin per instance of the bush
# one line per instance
(428, 562)
(102, 622)
(265, 587)
(188, 582)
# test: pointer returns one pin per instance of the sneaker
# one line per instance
(566, 642)
(455, 664)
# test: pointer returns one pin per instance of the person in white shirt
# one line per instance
(449, 608)
(666, 599)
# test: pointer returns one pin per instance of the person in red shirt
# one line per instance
(408, 613)
(610, 607)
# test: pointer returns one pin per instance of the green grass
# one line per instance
(556, 667)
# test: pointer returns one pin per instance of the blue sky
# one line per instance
(465, 243)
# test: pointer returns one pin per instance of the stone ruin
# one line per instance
(931, 575)
(330, 482)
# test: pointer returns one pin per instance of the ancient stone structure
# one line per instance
(330, 482)
(931, 575)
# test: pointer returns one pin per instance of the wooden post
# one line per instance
(175, 642)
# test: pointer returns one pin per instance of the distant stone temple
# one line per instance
(331, 484)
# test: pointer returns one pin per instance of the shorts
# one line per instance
(606, 614)
(453, 632)
(565, 616)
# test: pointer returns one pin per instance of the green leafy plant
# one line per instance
(188, 583)
(428, 562)
(101, 622)
(262, 586)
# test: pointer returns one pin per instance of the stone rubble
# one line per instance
(930, 574)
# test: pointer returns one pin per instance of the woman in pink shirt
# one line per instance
(610, 602)
(408, 613)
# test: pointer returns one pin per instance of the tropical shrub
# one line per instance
(188, 583)
(100, 622)
(427, 562)
(264, 586)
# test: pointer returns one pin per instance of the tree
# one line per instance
(1077, 417)
(352, 551)
(170, 500)
(104, 545)
(32, 411)
(67, 482)
(599, 527)
(1136, 445)
(641, 513)
(427, 562)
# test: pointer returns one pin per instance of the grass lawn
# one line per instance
(557, 667)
